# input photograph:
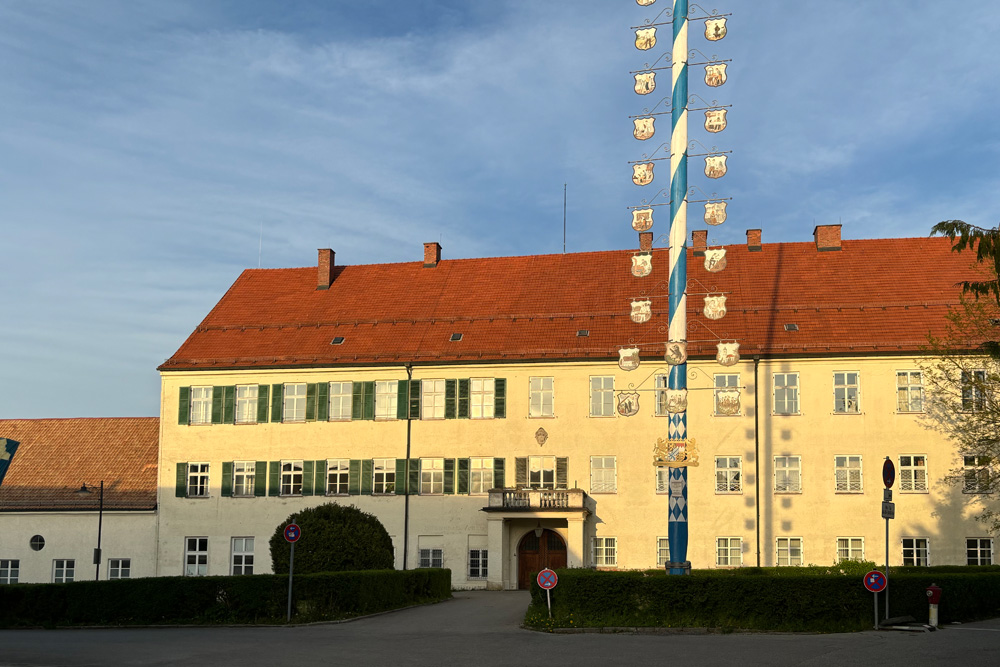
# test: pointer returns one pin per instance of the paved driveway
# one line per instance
(481, 629)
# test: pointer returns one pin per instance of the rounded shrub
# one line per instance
(335, 538)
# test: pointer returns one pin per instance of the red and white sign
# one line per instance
(547, 579)
(293, 532)
(875, 581)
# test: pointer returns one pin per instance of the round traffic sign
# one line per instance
(875, 581)
(293, 532)
(547, 579)
(888, 473)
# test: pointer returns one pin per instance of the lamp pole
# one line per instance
(84, 491)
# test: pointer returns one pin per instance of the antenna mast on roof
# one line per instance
(260, 243)
(564, 218)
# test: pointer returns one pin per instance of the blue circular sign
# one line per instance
(293, 532)
(875, 581)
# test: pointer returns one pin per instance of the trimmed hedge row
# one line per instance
(261, 598)
(790, 601)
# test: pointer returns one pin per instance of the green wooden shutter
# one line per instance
(521, 471)
(369, 400)
(354, 478)
(562, 473)
(449, 475)
(450, 398)
(414, 481)
(262, 403)
(498, 473)
(277, 403)
(182, 483)
(500, 398)
(184, 407)
(227, 479)
(229, 405)
(260, 475)
(323, 401)
(311, 402)
(274, 477)
(463, 475)
(319, 488)
(307, 477)
(402, 398)
(463, 398)
(217, 396)
(358, 400)
(400, 477)
(367, 476)
(415, 399)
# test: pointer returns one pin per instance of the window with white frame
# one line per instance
(973, 390)
(478, 563)
(383, 476)
(909, 391)
(788, 551)
(603, 474)
(197, 476)
(341, 395)
(338, 477)
(542, 472)
(847, 474)
(291, 478)
(195, 556)
(246, 404)
(916, 551)
(787, 474)
(63, 570)
(850, 548)
(481, 398)
(244, 474)
(201, 405)
(294, 402)
(540, 397)
(913, 473)
(10, 571)
(728, 551)
(431, 558)
(728, 474)
(242, 555)
(846, 392)
(662, 551)
(606, 551)
(786, 393)
(431, 476)
(432, 399)
(385, 399)
(602, 394)
(480, 474)
(119, 568)
(663, 480)
(725, 385)
(662, 384)
(976, 474)
(978, 550)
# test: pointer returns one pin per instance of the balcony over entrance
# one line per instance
(536, 500)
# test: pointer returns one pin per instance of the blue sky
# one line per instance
(143, 145)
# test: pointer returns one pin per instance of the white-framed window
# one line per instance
(728, 474)
(480, 474)
(979, 550)
(847, 474)
(197, 476)
(786, 393)
(10, 571)
(481, 398)
(973, 390)
(338, 477)
(341, 396)
(606, 551)
(916, 551)
(542, 472)
(662, 551)
(432, 399)
(663, 480)
(431, 558)
(728, 551)
(195, 556)
(976, 474)
(291, 478)
(662, 384)
(242, 556)
(787, 474)
(244, 474)
(119, 568)
(431, 476)
(540, 397)
(846, 392)
(201, 405)
(850, 548)
(725, 385)
(63, 570)
(603, 474)
(909, 391)
(788, 551)
(912, 473)
(383, 476)
(478, 563)
(602, 396)
(246, 404)
(294, 402)
(385, 399)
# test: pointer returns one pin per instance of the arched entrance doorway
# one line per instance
(536, 553)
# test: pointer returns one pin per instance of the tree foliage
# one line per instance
(985, 243)
(335, 538)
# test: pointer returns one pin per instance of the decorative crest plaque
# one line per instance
(642, 264)
(644, 3)
(715, 29)
(676, 353)
(644, 128)
(727, 402)
(642, 174)
(715, 75)
(628, 358)
(715, 212)
(715, 166)
(715, 259)
(645, 39)
(645, 83)
(675, 453)
(715, 120)
(628, 403)
(677, 400)
(642, 219)
(715, 306)
(642, 311)
(727, 354)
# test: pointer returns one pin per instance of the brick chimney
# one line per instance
(645, 241)
(699, 238)
(753, 240)
(324, 273)
(827, 237)
(432, 255)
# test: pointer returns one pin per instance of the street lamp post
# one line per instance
(84, 491)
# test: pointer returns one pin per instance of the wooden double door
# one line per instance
(536, 553)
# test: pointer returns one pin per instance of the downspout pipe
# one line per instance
(756, 446)
(406, 482)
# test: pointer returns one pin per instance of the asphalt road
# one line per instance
(482, 629)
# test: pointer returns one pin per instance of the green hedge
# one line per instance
(780, 599)
(261, 598)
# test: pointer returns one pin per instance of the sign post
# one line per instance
(547, 580)
(888, 512)
(875, 581)
(292, 535)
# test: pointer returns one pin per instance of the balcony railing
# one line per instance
(537, 499)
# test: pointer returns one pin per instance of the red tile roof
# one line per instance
(56, 456)
(873, 296)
